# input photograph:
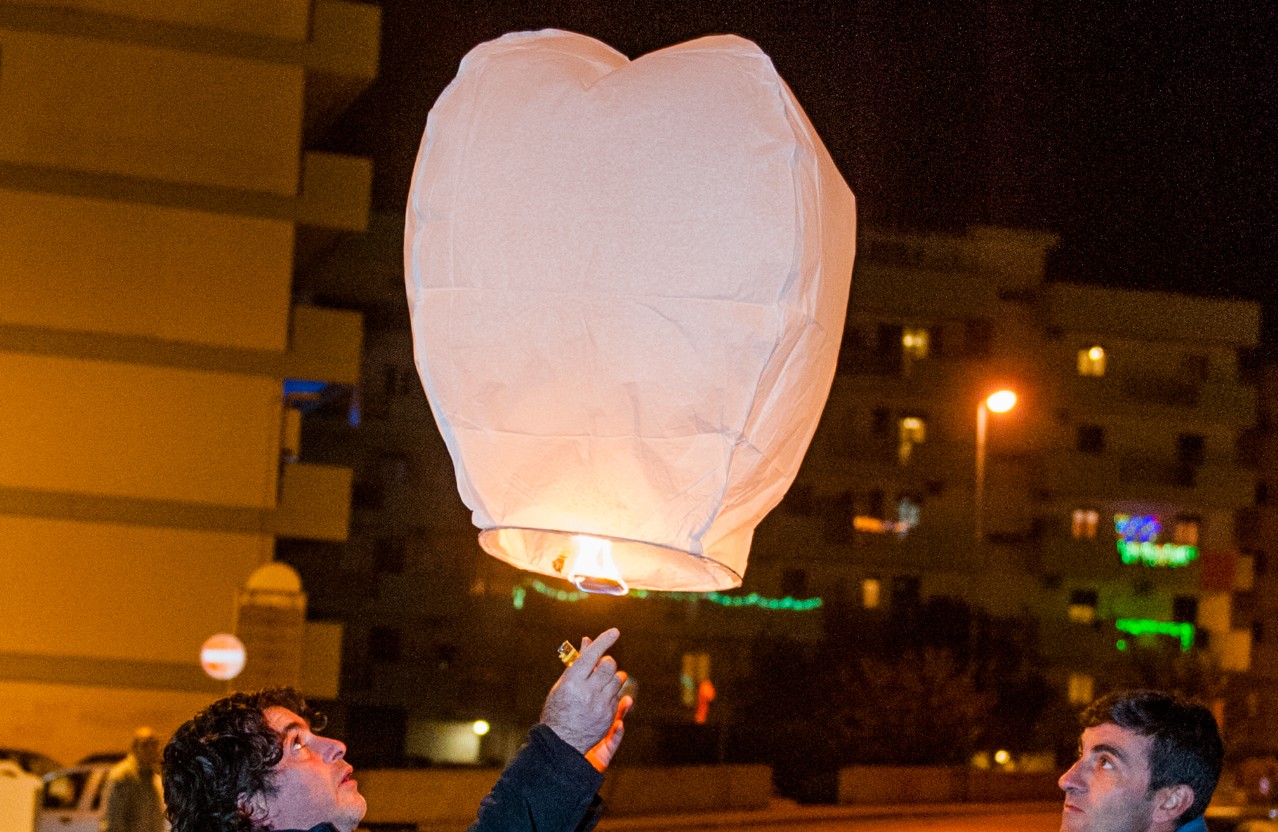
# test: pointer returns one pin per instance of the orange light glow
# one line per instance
(1001, 401)
(705, 695)
(591, 567)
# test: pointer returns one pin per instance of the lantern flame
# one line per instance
(591, 568)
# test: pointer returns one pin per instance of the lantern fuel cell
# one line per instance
(568, 654)
(626, 322)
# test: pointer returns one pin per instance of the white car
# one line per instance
(71, 799)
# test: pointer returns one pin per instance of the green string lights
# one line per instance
(754, 599)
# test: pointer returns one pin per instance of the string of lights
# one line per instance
(754, 599)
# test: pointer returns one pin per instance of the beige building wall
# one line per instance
(151, 180)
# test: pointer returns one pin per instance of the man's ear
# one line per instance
(1170, 802)
(253, 807)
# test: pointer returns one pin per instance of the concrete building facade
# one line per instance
(156, 198)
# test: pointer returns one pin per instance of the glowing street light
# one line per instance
(997, 402)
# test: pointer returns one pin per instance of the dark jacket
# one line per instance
(547, 787)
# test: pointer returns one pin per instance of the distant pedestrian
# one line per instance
(1148, 762)
(134, 795)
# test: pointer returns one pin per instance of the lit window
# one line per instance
(914, 342)
(1185, 531)
(1082, 688)
(1082, 606)
(870, 591)
(913, 430)
(696, 669)
(1091, 361)
(1085, 522)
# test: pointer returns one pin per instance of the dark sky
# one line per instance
(1144, 133)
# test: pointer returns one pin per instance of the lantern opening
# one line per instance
(591, 568)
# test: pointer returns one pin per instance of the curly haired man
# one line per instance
(256, 762)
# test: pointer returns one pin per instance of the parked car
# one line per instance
(71, 799)
(30, 761)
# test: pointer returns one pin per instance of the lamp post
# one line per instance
(998, 402)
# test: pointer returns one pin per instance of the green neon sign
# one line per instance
(1157, 554)
(1148, 627)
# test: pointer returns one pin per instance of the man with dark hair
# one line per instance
(255, 762)
(1148, 762)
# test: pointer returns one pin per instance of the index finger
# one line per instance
(594, 651)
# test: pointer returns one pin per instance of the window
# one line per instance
(889, 353)
(978, 337)
(695, 670)
(1085, 522)
(905, 591)
(1257, 631)
(1190, 448)
(1091, 361)
(871, 589)
(794, 583)
(1090, 439)
(388, 555)
(62, 793)
(1082, 606)
(875, 504)
(1185, 609)
(383, 644)
(914, 343)
(1082, 688)
(912, 430)
(1185, 531)
(837, 518)
(1260, 561)
(880, 421)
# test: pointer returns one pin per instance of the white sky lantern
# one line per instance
(627, 282)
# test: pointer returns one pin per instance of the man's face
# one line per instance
(313, 782)
(1107, 790)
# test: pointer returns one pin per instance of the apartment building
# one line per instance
(157, 198)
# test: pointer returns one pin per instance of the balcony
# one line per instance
(1218, 401)
(314, 502)
(1130, 477)
(324, 345)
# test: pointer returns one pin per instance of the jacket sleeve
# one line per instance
(548, 787)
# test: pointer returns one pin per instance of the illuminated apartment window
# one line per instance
(1085, 522)
(914, 343)
(1091, 361)
(912, 431)
(696, 669)
(1082, 606)
(871, 589)
(1185, 531)
(1082, 688)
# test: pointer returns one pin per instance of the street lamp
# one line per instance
(998, 402)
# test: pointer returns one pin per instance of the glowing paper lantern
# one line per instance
(627, 282)
(222, 656)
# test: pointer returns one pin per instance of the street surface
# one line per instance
(1010, 822)
(1030, 817)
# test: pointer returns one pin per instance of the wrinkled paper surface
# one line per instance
(628, 282)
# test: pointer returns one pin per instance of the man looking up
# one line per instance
(1148, 762)
(255, 762)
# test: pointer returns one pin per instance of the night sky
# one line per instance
(1144, 133)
